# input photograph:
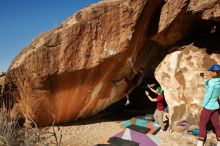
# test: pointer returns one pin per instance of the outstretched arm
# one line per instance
(152, 89)
(152, 99)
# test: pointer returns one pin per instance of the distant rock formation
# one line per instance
(2, 82)
(70, 71)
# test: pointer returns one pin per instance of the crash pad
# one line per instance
(155, 138)
(152, 125)
(142, 139)
(118, 141)
(140, 129)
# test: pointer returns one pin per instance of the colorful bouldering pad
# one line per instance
(142, 139)
(143, 123)
(140, 129)
(104, 145)
(155, 138)
(118, 141)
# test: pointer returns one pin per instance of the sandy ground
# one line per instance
(88, 135)
(181, 139)
(92, 132)
(96, 130)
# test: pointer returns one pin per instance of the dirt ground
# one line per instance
(97, 133)
(96, 130)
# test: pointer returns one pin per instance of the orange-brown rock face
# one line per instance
(2, 80)
(174, 23)
(2, 83)
(208, 9)
(177, 19)
(69, 71)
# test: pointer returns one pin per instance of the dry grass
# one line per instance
(10, 134)
(13, 135)
(53, 137)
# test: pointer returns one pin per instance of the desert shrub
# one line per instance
(13, 135)
(10, 133)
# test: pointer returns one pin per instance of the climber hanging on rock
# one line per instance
(132, 81)
(132, 84)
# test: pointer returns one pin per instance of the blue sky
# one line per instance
(23, 20)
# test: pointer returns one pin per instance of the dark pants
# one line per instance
(205, 116)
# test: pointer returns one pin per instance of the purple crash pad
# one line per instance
(142, 139)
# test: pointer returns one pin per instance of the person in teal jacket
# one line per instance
(210, 105)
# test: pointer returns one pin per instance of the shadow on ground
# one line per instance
(117, 112)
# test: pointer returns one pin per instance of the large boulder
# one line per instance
(180, 75)
(79, 68)
(69, 72)
(206, 9)
(179, 18)
(189, 29)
